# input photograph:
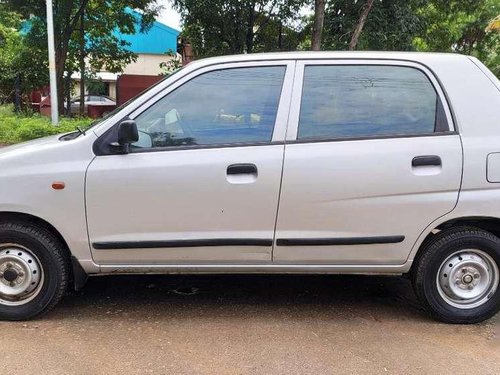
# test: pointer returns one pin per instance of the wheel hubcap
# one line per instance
(21, 276)
(10, 275)
(468, 279)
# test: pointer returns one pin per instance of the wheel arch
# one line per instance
(78, 276)
(487, 223)
(28, 218)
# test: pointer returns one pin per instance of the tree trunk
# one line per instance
(62, 36)
(319, 16)
(280, 36)
(60, 64)
(361, 23)
(17, 94)
(239, 36)
(67, 90)
(250, 25)
(82, 65)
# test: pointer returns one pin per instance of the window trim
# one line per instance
(296, 101)
(280, 125)
(368, 138)
(205, 147)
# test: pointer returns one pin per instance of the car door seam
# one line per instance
(294, 67)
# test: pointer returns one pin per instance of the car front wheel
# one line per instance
(34, 271)
(457, 275)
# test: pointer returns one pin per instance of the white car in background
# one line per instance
(366, 163)
(90, 100)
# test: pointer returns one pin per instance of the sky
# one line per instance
(169, 16)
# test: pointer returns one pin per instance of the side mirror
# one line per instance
(127, 134)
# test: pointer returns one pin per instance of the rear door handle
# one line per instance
(426, 160)
(235, 169)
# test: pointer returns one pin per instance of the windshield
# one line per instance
(119, 108)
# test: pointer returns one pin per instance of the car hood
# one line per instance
(27, 147)
(46, 150)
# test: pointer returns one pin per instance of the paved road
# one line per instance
(246, 325)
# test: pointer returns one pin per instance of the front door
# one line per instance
(201, 185)
(371, 160)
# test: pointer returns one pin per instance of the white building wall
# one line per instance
(147, 64)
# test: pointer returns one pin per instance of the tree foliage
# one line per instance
(18, 62)
(461, 26)
(102, 46)
(390, 25)
(494, 25)
(217, 27)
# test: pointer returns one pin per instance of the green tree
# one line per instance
(365, 11)
(102, 47)
(371, 25)
(20, 65)
(172, 64)
(218, 27)
(460, 26)
(279, 36)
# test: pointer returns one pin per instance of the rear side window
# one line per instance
(236, 105)
(341, 101)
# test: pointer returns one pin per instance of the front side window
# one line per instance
(236, 105)
(350, 101)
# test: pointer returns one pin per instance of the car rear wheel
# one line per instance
(34, 271)
(457, 275)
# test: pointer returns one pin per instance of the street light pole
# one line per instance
(54, 109)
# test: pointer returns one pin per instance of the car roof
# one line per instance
(419, 57)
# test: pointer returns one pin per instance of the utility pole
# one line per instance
(54, 109)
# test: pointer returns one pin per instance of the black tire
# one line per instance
(53, 260)
(427, 266)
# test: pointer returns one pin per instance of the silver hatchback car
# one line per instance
(385, 163)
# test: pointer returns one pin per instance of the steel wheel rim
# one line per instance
(468, 278)
(21, 275)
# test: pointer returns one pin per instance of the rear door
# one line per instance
(371, 159)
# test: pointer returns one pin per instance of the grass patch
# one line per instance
(15, 128)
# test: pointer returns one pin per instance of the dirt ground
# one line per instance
(246, 325)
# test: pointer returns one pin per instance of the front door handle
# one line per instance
(426, 160)
(235, 169)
